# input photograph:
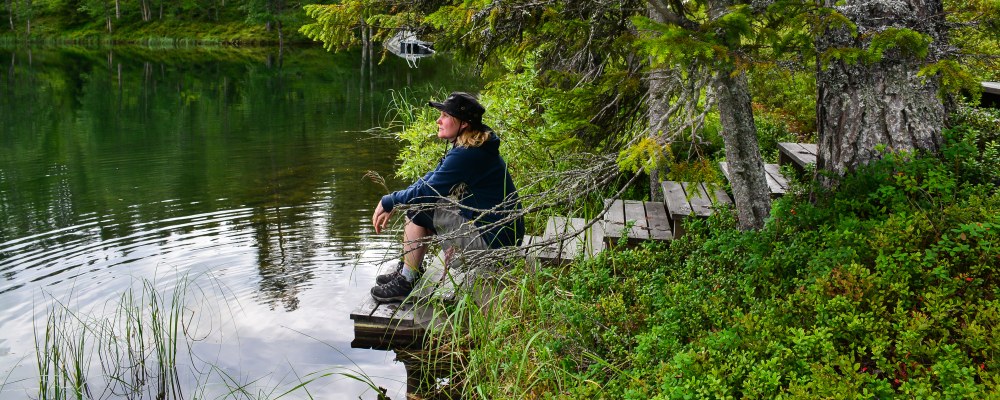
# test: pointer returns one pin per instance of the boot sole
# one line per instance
(390, 299)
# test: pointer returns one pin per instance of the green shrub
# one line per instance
(884, 288)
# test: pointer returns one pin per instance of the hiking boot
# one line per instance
(395, 290)
(389, 276)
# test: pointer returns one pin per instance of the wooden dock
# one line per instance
(777, 184)
(403, 324)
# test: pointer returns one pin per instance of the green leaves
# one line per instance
(646, 155)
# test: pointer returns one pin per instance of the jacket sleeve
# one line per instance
(456, 167)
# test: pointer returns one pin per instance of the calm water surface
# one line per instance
(237, 171)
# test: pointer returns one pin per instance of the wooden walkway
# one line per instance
(991, 95)
(404, 325)
(691, 199)
(587, 244)
(776, 182)
(635, 221)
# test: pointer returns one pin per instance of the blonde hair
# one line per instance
(472, 138)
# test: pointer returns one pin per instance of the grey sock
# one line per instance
(409, 273)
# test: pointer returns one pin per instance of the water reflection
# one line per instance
(243, 165)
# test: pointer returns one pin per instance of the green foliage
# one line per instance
(422, 149)
(953, 77)
(188, 21)
(646, 156)
(672, 44)
(788, 98)
(886, 287)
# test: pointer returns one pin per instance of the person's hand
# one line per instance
(381, 218)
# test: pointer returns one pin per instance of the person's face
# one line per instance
(449, 127)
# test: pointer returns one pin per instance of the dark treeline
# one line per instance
(144, 20)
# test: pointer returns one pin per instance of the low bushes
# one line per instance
(882, 288)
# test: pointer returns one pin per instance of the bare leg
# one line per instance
(414, 247)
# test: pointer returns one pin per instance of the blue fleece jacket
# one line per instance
(481, 173)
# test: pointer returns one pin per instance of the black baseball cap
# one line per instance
(465, 107)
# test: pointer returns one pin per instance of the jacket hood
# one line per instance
(492, 144)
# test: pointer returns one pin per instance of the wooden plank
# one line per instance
(635, 217)
(577, 244)
(773, 186)
(393, 315)
(614, 220)
(991, 87)
(724, 166)
(801, 154)
(555, 227)
(577, 224)
(365, 309)
(811, 149)
(777, 184)
(595, 240)
(616, 211)
(559, 227)
(659, 224)
(781, 183)
(375, 336)
(678, 207)
(719, 196)
(701, 203)
(675, 198)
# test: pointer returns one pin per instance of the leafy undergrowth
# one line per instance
(886, 287)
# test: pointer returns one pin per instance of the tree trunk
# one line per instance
(657, 105)
(10, 14)
(862, 105)
(27, 17)
(746, 166)
(739, 135)
(281, 37)
(118, 10)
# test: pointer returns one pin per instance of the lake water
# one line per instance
(237, 171)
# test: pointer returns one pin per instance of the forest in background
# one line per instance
(154, 21)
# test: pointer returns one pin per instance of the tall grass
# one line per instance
(140, 347)
(136, 349)
(467, 354)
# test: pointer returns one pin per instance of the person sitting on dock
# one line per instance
(475, 204)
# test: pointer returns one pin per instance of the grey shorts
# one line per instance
(456, 231)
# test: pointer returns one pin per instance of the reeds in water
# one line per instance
(136, 349)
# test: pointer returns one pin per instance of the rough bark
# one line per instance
(739, 135)
(863, 105)
(657, 106)
(746, 166)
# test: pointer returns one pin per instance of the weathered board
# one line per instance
(798, 154)
(637, 221)
(685, 199)
(777, 184)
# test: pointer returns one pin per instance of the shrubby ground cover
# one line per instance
(884, 287)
